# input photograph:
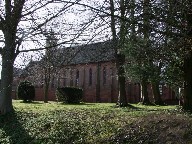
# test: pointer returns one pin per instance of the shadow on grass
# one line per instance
(141, 107)
(128, 106)
(31, 102)
(13, 130)
(82, 103)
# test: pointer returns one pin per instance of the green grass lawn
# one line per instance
(94, 123)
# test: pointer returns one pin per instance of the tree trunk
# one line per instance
(145, 97)
(118, 45)
(46, 90)
(8, 57)
(156, 93)
(6, 83)
(46, 86)
(188, 83)
(9, 28)
(146, 34)
(47, 76)
(188, 66)
(122, 100)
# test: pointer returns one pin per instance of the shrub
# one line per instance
(69, 95)
(26, 91)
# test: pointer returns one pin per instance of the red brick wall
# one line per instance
(108, 91)
(39, 94)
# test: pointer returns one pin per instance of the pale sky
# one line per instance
(64, 26)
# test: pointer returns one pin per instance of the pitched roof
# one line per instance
(90, 53)
(96, 52)
(28, 69)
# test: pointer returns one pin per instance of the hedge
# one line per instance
(26, 91)
(70, 95)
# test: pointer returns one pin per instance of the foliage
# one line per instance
(26, 91)
(138, 62)
(173, 74)
(53, 122)
(69, 95)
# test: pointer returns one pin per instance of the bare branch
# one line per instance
(44, 47)
(65, 42)
(1, 50)
(8, 8)
(30, 12)
(98, 10)
(17, 11)
(39, 26)
(2, 21)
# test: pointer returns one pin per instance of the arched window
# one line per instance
(104, 76)
(71, 77)
(64, 79)
(59, 81)
(77, 78)
(90, 77)
(53, 82)
(42, 82)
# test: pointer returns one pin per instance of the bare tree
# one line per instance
(19, 21)
(47, 63)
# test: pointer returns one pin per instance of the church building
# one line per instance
(90, 67)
